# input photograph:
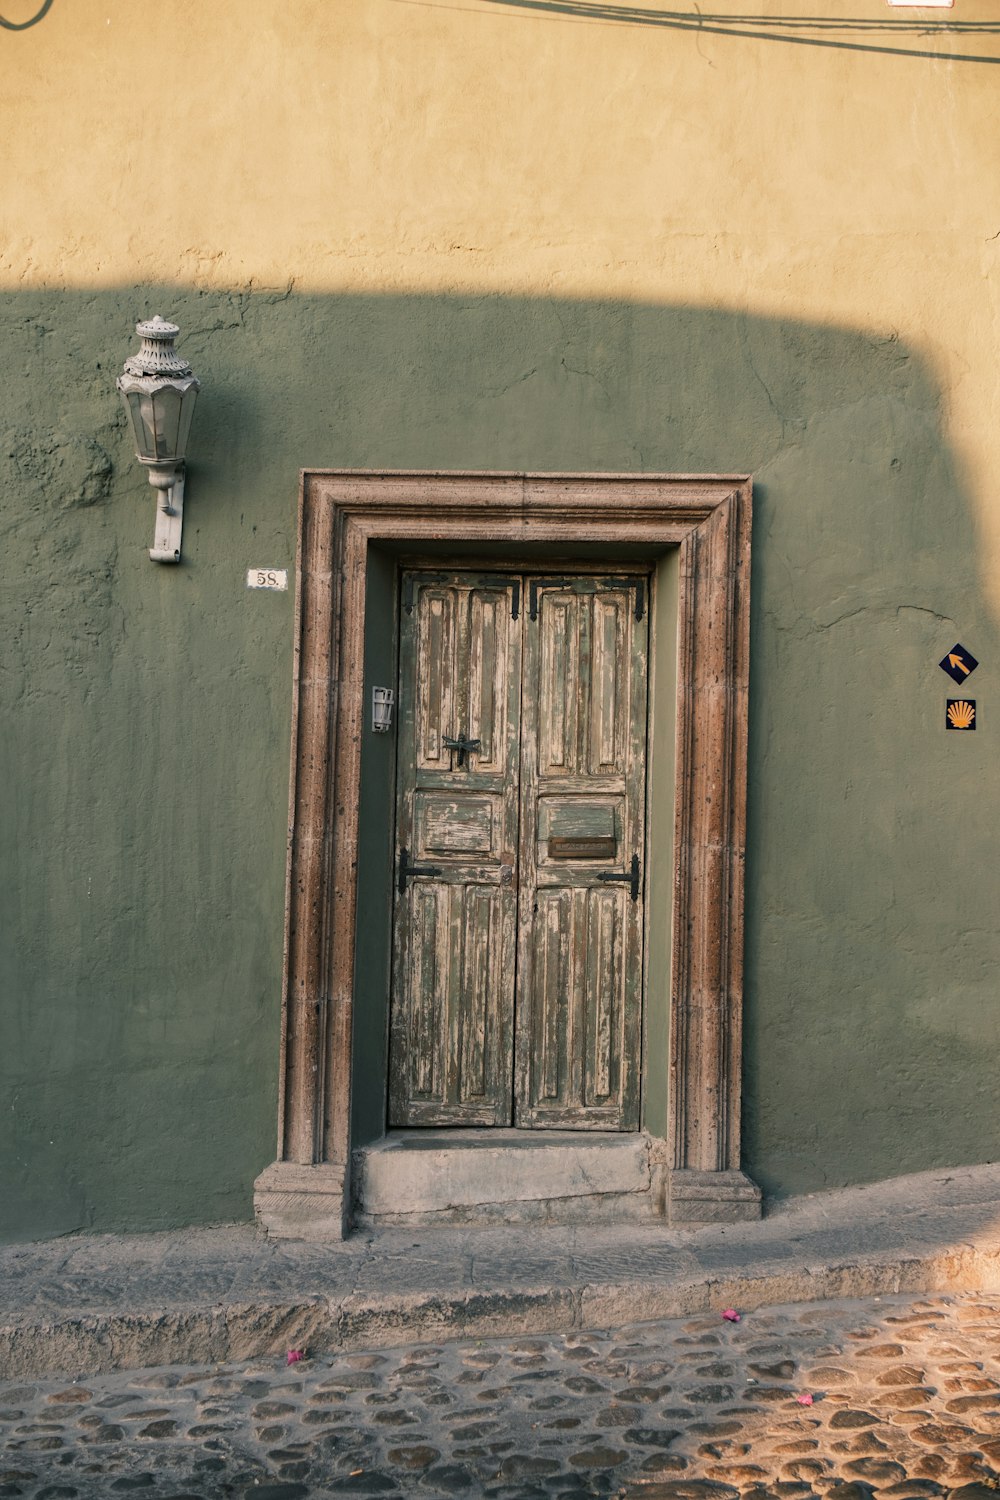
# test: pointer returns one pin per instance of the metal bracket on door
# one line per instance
(630, 878)
(406, 869)
(461, 744)
(535, 584)
(490, 580)
(638, 583)
(632, 582)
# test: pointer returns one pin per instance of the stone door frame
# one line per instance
(306, 1191)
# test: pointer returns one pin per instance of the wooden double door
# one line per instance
(520, 820)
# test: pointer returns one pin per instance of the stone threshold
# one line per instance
(428, 1177)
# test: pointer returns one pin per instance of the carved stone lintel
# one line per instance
(302, 1203)
(711, 1197)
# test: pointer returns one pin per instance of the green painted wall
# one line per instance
(614, 277)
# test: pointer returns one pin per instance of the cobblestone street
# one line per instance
(904, 1393)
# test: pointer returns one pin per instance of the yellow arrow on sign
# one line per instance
(957, 661)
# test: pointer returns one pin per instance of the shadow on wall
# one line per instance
(148, 713)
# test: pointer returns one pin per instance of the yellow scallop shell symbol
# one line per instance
(961, 715)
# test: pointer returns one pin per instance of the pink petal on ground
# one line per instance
(294, 1355)
(731, 1315)
(805, 1399)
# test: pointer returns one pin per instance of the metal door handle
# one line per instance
(406, 869)
(630, 878)
(461, 744)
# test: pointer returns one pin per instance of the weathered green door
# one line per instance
(452, 1013)
(521, 801)
(583, 745)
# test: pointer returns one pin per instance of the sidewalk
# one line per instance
(96, 1303)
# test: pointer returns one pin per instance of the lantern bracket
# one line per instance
(169, 517)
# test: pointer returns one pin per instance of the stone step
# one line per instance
(517, 1176)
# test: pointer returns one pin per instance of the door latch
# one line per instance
(629, 877)
(406, 869)
(462, 745)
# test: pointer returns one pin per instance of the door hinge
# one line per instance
(637, 582)
(628, 877)
(490, 580)
(539, 583)
(406, 869)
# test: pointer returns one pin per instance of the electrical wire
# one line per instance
(23, 25)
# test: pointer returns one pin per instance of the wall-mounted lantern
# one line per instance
(159, 392)
(382, 701)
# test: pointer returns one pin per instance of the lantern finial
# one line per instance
(157, 355)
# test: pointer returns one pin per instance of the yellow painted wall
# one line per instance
(494, 233)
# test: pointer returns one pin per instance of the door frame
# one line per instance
(306, 1192)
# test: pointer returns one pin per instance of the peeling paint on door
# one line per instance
(517, 962)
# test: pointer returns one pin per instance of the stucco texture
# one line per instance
(490, 234)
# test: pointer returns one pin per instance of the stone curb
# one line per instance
(102, 1342)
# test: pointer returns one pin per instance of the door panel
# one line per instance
(437, 652)
(609, 704)
(447, 824)
(490, 678)
(578, 1010)
(452, 1003)
(603, 994)
(556, 639)
(582, 819)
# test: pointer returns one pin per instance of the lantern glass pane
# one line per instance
(166, 405)
(187, 412)
(140, 417)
